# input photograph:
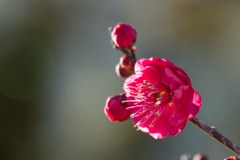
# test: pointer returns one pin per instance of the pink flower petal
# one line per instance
(141, 64)
(174, 130)
(162, 131)
(176, 118)
(196, 104)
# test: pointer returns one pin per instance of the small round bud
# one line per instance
(123, 71)
(123, 35)
(200, 156)
(125, 67)
(115, 108)
(127, 61)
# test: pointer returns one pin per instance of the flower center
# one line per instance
(151, 100)
(159, 94)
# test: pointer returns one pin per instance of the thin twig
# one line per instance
(216, 135)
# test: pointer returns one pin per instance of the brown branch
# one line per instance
(216, 135)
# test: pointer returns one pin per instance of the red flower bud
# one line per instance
(123, 35)
(125, 67)
(200, 156)
(127, 61)
(123, 71)
(231, 158)
(115, 108)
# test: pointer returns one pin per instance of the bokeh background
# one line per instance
(57, 69)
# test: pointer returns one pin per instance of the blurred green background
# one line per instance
(57, 69)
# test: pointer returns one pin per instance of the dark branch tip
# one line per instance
(110, 29)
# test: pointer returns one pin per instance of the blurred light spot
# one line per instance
(185, 156)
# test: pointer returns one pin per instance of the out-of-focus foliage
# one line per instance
(57, 69)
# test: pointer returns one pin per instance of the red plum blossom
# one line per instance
(160, 97)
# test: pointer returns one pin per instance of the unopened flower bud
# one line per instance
(115, 108)
(125, 67)
(127, 61)
(200, 156)
(123, 35)
(231, 158)
(123, 71)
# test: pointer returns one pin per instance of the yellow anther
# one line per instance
(157, 113)
(162, 92)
